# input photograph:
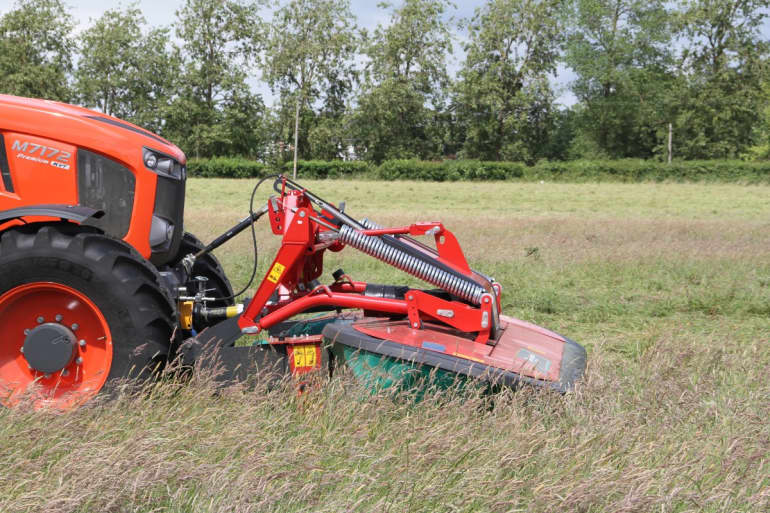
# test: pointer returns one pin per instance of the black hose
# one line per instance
(253, 240)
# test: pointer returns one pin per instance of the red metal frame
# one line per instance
(299, 261)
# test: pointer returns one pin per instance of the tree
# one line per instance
(761, 130)
(723, 68)
(399, 112)
(723, 33)
(126, 73)
(215, 111)
(504, 99)
(620, 50)
(36, 48)
(329, 136)
(310, 44)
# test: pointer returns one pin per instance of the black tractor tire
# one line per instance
(111, 274)
(207, 266)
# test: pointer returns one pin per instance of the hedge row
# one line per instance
(228, 167)
(455, 170)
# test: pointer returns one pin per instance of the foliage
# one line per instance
(450, 170)
(579, 171)
(124, 72)
(216, 112)
(504, 99)
(332, 169)
(620, 50)
(629, 170)
(726, 65)
(223, 167)
(699, 66)
(405, 83)
(36, 50)
(309, 49)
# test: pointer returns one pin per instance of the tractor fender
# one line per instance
(75, 213)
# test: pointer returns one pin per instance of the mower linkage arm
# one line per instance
(189, 261)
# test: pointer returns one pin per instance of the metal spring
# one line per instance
(376, 247)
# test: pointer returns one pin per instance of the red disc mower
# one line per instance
(99, 280)
(398, 333)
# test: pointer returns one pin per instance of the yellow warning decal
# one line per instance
(276, 272)
(469, 357)
(304, 355)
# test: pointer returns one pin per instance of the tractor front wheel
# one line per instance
(78, 311)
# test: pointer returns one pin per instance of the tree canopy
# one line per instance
(640, 68)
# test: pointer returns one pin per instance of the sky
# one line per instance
(162, 12)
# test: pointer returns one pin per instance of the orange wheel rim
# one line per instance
(28, 307)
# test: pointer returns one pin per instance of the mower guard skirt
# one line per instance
(214, 349)
(345, 336)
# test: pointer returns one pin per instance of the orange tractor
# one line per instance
(99, 280)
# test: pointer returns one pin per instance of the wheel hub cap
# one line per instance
(49, 347)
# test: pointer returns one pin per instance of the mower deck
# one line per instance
(523, 353)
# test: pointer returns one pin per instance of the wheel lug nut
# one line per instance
(78, 360)
(40, 320)
(75, 327)
(82, 343)
(58, 317)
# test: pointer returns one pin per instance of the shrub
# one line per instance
(328, 169)
(449, 170)
(226, 167)
(455, 170)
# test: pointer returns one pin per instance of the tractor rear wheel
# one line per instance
(78, 311)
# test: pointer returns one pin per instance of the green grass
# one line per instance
(667, 285)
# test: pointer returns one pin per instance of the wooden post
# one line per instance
(296, 139)
(670, 140)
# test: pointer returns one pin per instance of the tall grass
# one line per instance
(667, 285)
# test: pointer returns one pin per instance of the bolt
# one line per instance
(415, 325)
(302, 213)
(65, 372)
(82, 343)
(26, 332)
(22, 349)
(75, 327)
(58, 317)
(78, 360)
(40, 320)
(411, 298)
(486, 300)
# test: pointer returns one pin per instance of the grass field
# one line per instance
(667, 285)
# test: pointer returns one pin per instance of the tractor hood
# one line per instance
(80, 127)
